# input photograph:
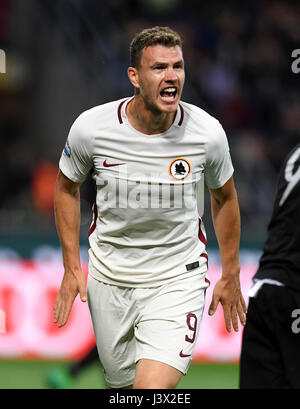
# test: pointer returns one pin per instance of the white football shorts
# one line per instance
(160, 324)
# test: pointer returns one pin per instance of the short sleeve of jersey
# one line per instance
(218, 167)
(76, 159)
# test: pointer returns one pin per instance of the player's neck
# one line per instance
(146, 120)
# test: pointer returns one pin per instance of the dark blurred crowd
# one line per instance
(65, 56)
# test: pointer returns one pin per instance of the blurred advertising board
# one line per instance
(28, 288)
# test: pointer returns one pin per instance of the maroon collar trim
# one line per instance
(182, 115)
(119, 111)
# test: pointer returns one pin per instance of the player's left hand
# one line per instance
(227, 291)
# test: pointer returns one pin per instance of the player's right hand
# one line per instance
(71, 285)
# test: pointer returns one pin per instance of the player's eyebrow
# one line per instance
(179, 62)
(165, 64)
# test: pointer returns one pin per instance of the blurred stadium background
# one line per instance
(65, 56)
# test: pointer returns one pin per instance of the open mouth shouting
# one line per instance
(168, 94)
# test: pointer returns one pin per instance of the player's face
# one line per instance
(161, 77)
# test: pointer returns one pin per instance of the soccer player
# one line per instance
(64, 376)
(147, 258)
(270, 355)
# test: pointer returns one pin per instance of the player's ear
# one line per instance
(133, 77)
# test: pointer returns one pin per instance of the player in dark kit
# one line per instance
(270, 356)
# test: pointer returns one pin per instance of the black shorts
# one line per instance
(270, 355)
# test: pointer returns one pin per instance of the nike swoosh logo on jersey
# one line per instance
(182, 355)
(108, 165)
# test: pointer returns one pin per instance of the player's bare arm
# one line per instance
(67, 214)
(226, 220)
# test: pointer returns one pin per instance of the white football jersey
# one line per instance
(147, 228)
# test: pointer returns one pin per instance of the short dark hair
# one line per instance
(152, 36)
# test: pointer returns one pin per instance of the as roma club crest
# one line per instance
(179, 168)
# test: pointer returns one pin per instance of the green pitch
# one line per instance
(33, 374)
